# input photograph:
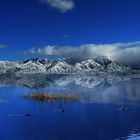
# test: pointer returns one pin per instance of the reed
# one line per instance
(51, 97)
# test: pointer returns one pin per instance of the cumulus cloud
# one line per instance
(62, 5)
(3, 46)
(125, 53)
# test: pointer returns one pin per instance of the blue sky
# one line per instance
(27, 25)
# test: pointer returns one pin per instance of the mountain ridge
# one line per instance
(60, 66)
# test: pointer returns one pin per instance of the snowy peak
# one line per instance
(59, 66)
(90, 66)
(37, 60)
(103, 60)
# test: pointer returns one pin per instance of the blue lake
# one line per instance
(96, 115)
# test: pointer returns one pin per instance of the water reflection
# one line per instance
(96, 114)
(132, 136)
(90, 89)
(40, 81)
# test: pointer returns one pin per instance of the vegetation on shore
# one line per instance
(51, 97)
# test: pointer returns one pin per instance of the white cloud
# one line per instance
(3, 46)
(62, 5)
(49, 50)
(126, 53)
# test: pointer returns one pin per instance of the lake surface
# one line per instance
(96, 115)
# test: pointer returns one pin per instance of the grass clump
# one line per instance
(51, 97)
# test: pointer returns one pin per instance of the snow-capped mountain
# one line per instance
(90, 66)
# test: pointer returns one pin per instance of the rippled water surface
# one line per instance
(97, 114)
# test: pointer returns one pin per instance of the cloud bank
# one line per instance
(62, 5)
(125, 53)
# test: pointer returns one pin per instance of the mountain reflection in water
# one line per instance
(90, 89)
(95, 114)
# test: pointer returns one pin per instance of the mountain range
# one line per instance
(61, 66)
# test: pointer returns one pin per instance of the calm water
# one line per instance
(96, 115)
